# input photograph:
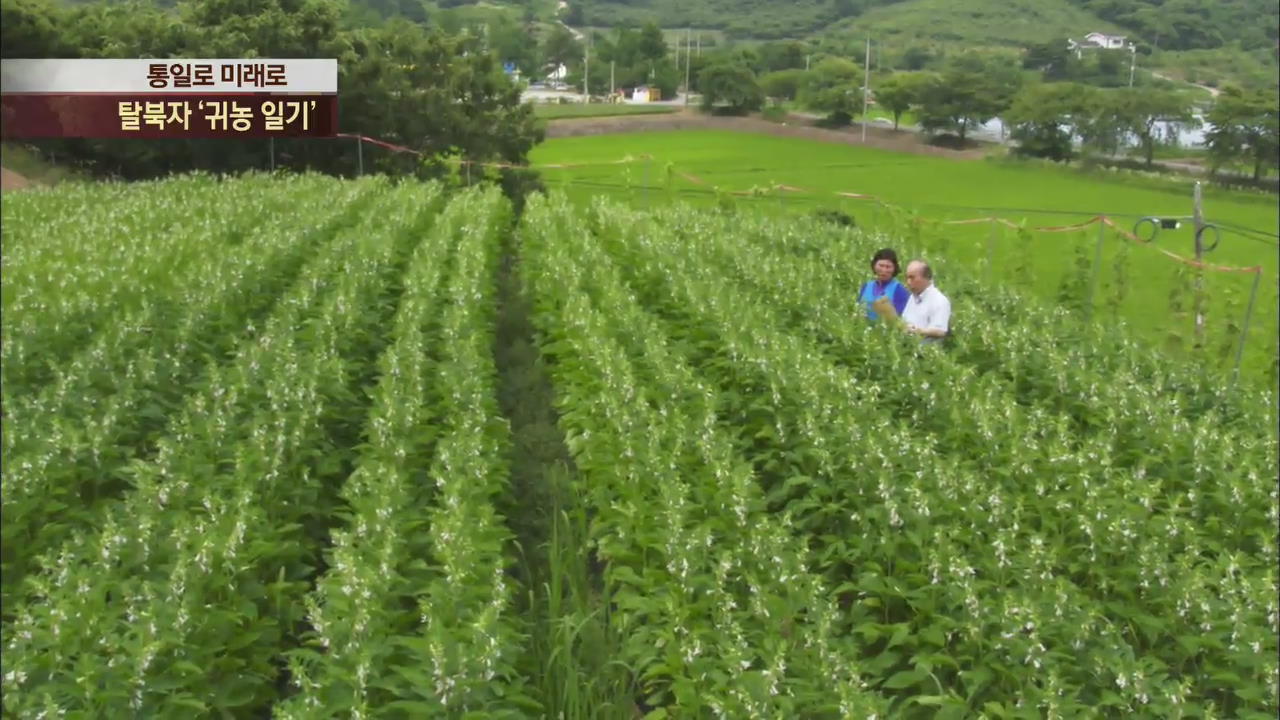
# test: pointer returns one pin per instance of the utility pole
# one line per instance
(699, 43)
(687, 39)
(678, 53)
(1197, 216)
(1133, 59)
(586, 71)
(866, 88)
(612, 89)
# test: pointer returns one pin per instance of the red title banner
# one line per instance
(164, 115)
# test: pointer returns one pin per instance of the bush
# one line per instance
(774, 113)
(835, 217)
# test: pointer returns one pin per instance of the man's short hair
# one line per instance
(925, 270)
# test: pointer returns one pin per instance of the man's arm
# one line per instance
(937, 324)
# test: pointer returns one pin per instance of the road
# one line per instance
(538, 95)
(1212, 91)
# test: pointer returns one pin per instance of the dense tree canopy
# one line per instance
(400, 81)
(973, 89)
(1042, 117)
(730, 88)
(1245, 128)
(834, 86)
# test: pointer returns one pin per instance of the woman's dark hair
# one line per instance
(885, 254)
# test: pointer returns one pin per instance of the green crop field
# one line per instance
(302, 447)
(1135, 282)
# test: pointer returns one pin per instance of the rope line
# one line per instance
(758, 191)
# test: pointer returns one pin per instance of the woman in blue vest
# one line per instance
(885, 266)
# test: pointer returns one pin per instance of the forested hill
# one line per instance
(1164, 24)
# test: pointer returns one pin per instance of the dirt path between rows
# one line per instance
(10, 180)
(795, 127)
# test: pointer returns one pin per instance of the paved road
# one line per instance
(541, 95)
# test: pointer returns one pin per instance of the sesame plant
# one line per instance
(412, 618)
(1097, 633)
(106, 406)
(178, 598)
(300, 447)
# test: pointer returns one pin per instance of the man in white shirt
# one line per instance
(928, 311)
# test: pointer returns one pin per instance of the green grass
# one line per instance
(32, 166)
(945, 189)
(576, 110)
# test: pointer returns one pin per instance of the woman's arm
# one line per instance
(900, 297)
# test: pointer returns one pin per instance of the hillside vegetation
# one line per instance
(1164, 24)
(973, 22)
(1226, 42)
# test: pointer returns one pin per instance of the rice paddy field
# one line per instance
(303, 447)
(1136, 282)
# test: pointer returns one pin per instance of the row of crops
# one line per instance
(255, 465)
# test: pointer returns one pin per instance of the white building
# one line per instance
(558, 73)
(1098, 41)
(1104, 41)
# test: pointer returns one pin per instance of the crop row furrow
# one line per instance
(771, 648)
(422, 530)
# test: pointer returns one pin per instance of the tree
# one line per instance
(1139, 110)
(782, 55)
(400, 81)
(437, 94)
(513, 42)
(833, 86)
(1053, 59)
(972, 90)
(954, 102)
(899, 92)
(1099, 125)
(561, 47)
(1245, 127)
(917, 57)
(576, 14)
(650, 44)
(1043, 117)
(32, 29)
(1111, 71)
(732, 85)
(782, 84)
